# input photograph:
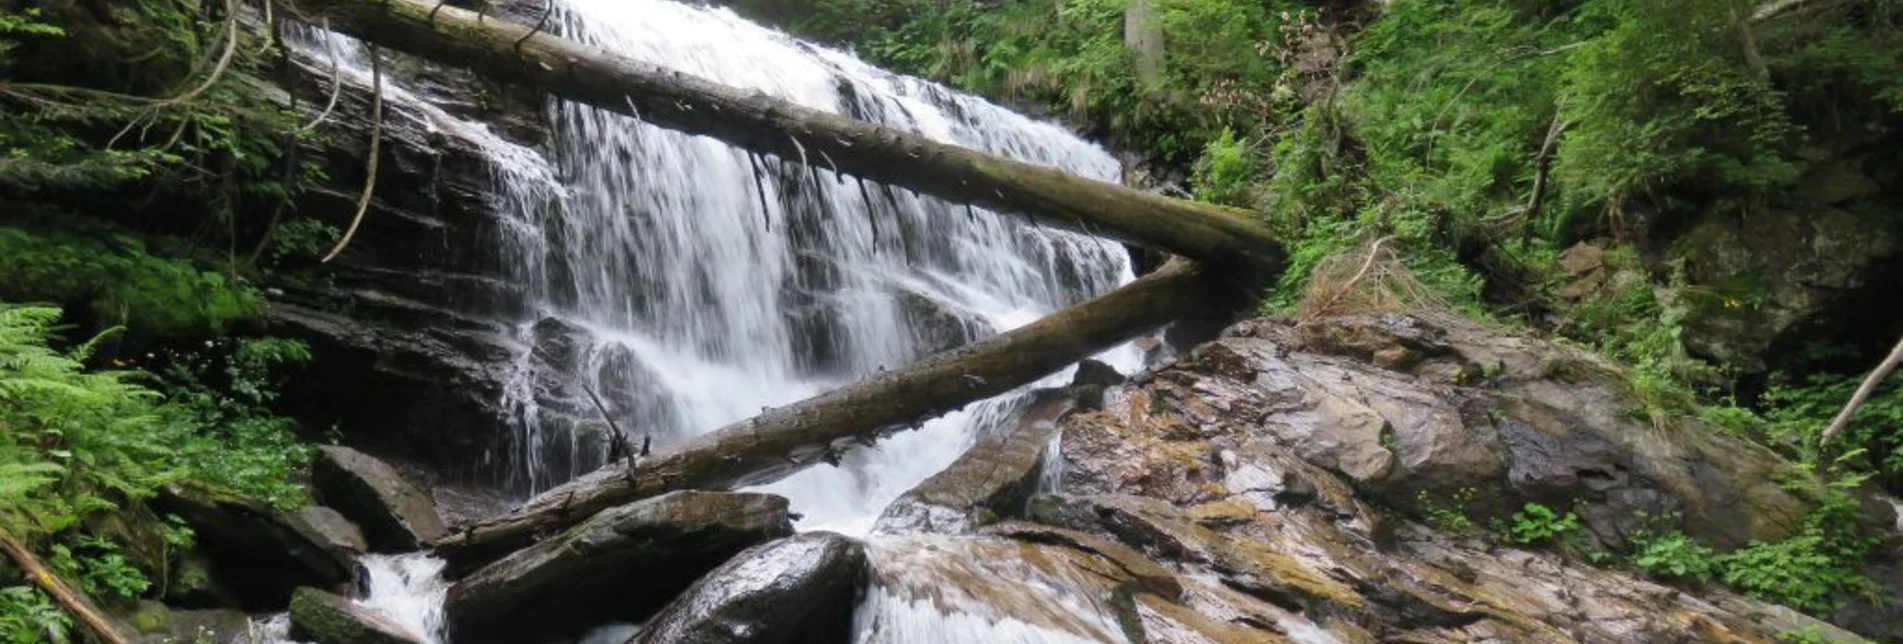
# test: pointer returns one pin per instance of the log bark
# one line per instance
(781, 441)
(760, 123)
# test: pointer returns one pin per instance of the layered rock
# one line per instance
(621, 564)
(1238, 470)
(993, 479)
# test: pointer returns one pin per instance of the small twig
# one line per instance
(621, 439)
(376, 143)
(72, 600)
(539, 23)
(1868, 387)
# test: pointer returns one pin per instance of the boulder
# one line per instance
(335, 532)
(394, 515)
(991, 480)
(623, 564)
(159, 624)
(1766, 279)
(795, 590)
(324, 618)
(259, 554)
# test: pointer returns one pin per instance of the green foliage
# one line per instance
(28, 616)
(1226, 172)
(117, 281)
(99, 566)
(1536, 523)
(77, 444)
(1675, 556)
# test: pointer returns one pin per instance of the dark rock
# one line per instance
(621, 564)
(324, 618)
(256, 553)
(993, 479)
(937, 326)
(1095, 372)
(394, 515)
(796, 590)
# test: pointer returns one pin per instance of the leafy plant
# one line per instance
(1675, 556)
(1451, 517)
(1536, 523)
(28, 616)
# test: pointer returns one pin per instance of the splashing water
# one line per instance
(409, 589)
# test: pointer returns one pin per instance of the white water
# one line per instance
(691, 284)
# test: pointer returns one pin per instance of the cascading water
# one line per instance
(687, 284)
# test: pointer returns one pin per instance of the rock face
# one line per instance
(1766, 278)
(622, 564)
(795, 590)
(1236, 471)
(259, 554)
(324, 618)
(992, 479)
(394, 515)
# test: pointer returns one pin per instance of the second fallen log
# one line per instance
(781, 441)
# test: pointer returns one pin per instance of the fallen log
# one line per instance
(781, 441)
(760, 123)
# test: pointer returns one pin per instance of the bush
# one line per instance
(1536, 523)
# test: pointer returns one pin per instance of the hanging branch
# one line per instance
(376, 141)
(1542, 165)
(74, 602)
(336, 83)
(1868, 387)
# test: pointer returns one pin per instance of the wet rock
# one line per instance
(394, 515)
(937, 326)
(258, 554)
(993, 479)
(324, 618)
(158, 624)
(797, 590)
(621, 564)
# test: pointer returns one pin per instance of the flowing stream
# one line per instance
(689, 284)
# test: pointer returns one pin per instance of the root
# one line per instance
(376, 144)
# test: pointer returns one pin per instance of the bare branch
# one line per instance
(1868, 387)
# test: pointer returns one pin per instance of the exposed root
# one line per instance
(376, 144)
(336, 84)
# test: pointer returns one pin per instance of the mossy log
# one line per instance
(781, 441)
(754, 121)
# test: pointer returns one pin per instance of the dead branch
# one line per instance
(1868, 387)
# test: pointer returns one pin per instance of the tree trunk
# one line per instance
(781, 441)
(754, 121)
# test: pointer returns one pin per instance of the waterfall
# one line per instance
(691, 283)
(687, 284)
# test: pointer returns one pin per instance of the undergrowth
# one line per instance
(83, 449)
